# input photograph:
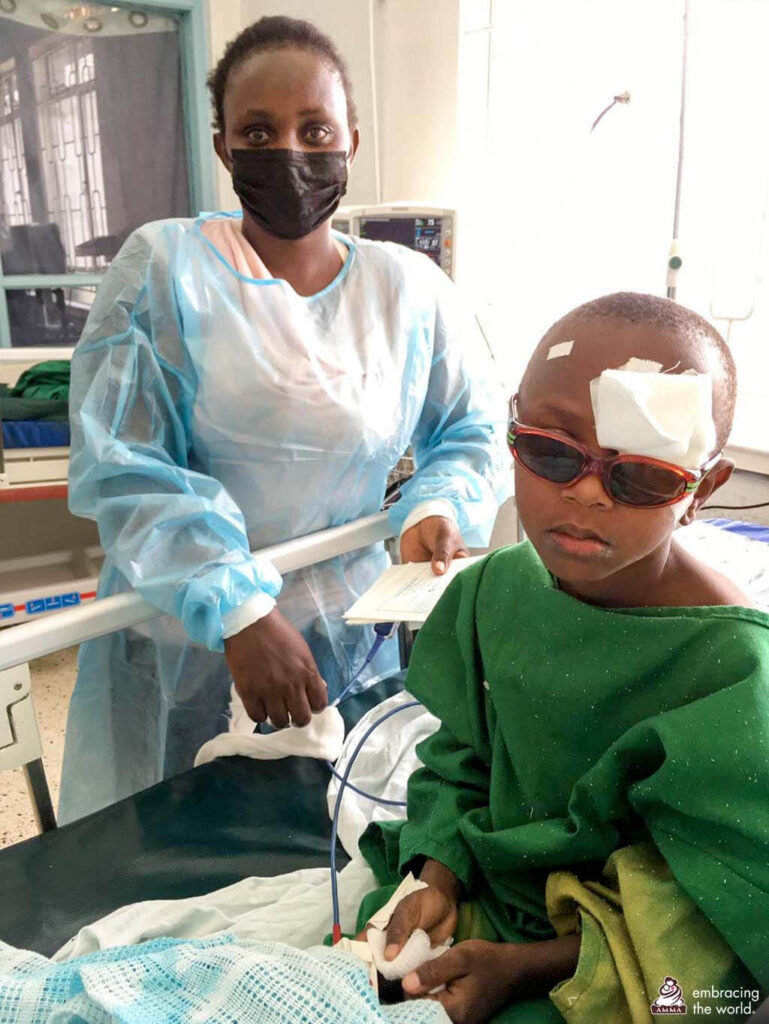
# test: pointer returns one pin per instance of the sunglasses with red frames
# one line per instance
(629, 479)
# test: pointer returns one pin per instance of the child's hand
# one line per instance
(431, 909)
(480, 979)
(483, 977)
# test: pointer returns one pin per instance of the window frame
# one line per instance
(193, 45)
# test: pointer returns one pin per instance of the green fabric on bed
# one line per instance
(635, 922)
(571, 731)
(41, 393)
(48, 380)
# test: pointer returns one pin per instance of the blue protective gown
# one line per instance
(214, 414)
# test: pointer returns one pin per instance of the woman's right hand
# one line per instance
(275, 673)
(434, 910)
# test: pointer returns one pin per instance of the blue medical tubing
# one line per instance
(363, 793)
(383, 630)
(337, 928)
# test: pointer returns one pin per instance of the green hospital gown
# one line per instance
(570, 732)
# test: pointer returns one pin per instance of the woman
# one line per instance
(243, 380)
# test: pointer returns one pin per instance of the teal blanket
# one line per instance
(216, 981)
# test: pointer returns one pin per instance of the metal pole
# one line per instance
(674, 260)
(40, 795)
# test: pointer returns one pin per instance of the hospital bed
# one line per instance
(205, 829)
(193, 834)
(48, 559)
(34, 453)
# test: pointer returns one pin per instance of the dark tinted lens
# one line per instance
(639, 483)
(548, 458)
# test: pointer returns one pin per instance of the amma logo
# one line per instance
(670, 999)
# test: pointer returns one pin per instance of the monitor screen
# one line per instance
(420, 233)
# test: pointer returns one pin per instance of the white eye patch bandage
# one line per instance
(666, 416)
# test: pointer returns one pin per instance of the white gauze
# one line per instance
(417, 950)
(667, 416)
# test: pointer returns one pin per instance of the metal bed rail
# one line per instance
(20, 744)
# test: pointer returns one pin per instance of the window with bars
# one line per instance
(70, 147)
(101, 108)
(14, 189)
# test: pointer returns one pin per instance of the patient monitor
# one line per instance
(427, 229)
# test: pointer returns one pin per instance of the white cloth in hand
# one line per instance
(417, 951)
(322, 738)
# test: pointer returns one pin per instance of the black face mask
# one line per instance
(289, 192)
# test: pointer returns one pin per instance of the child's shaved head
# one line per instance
(603, 549)
(692, 342)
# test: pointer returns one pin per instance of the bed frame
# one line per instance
(19, 737)
(204, 829)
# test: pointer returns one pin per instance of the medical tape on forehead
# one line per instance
(560, 350)
(669, 416)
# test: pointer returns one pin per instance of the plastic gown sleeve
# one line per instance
(459, 442)
(175, 534)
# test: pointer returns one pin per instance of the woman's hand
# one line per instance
(437, 540)
(483, 977)
(275, 673)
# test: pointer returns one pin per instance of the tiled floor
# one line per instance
(53, 677)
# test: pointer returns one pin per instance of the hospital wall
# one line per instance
(565, 213)
(493, 116)
(224, 23)
(415, 60)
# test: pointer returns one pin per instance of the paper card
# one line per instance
(405, 593)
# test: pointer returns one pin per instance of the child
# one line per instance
(593, 813)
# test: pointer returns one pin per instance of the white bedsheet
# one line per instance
(294, 908)
(382, 768)
(743, 560)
